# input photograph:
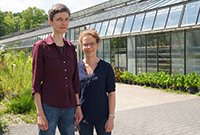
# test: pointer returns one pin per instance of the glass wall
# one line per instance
(111, 27)
(72, 34)
(119, 25)
(122, 52)
(161, 18)
(191, 13)
(131, 54)
(174, 16)
(98, 27)
(76, 33)
(100, 50)
(114, 52)
(148, 22)
(164, 52)
(141, 54)
(107, 50)
(192, 51)
(104, 28)
(128, 24)
(177, 51)
(151, 53)
(138, 22)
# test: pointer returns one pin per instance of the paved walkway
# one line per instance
(141, 111)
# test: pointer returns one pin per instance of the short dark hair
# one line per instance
(89, 32)
(56, 9)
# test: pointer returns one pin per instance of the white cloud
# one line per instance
(20, 5)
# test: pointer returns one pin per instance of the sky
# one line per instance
(19, 5)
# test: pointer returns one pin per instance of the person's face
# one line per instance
(89, 46)
(60, 22)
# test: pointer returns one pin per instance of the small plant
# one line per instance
(191, 80)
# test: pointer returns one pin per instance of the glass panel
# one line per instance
(122, 52)
(76, 33)
(192, 51)
(81, 29)
(190, 14)
(68, 36)
(177, 51)
(131, 54)
(151, 53)
(104, 28)
(119, 25)
(149, 18)
(138, 22)
(87, 27)
(198, 19)
(161, 18)
(92, 25)
(174, 16)
(100, 50)
(164, 52)
(98, 26)
(141, 54)
(111, 27)
(114, 52)
(107, 50)
(128, 24)
(72, 35)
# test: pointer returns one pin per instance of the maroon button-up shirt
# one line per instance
(55, 76)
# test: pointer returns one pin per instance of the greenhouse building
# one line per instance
(136, 35)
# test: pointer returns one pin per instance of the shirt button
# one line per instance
(63, 61)
(66, 85)
(65, 69)
(65, 77)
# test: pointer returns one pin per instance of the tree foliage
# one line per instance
(27, 19)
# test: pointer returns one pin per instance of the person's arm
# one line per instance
(78, 115)
(42, 121)
(110, 122)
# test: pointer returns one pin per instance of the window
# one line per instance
(111, 27)
(141, 54)
(128, 24)
(161, 18)
(107, 50)
(118, 28)
(192, 51)
(131, 54)
(190, 14)
(92, 25)
(138, 22)
(76, 33)
(72, 35)
(177, 51)
(104, 28)
(198, 19)
(149, 18)
(174, 16)
(87, 27)
(151, 53)
(100, 50)
(98, 26)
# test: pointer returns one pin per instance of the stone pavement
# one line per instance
(142, 111)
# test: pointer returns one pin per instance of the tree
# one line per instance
(31, 17)
(11, 23)
(2, 29)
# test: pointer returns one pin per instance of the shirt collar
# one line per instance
(50, 41)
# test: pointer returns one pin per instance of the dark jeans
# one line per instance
(87, 129)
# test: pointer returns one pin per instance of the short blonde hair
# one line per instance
(89, 32)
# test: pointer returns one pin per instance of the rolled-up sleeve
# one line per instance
(37, 68)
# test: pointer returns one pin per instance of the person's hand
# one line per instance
(76, 128)
(109, 124)
(42, 122)
(78, 115)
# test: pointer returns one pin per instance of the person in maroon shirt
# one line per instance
(55, 84)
